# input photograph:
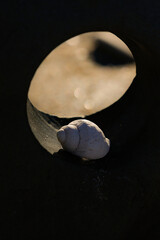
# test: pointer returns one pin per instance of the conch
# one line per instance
(84, 138)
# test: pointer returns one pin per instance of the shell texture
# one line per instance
(84, 139)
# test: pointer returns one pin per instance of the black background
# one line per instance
(59, 197)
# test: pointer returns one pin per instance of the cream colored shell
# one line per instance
(84, 139)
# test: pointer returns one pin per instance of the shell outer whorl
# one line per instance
(92, 144)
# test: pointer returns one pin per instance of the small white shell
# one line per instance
(84, 139)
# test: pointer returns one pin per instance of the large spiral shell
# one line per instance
(84, 139)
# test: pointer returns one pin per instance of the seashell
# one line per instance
(84, 138)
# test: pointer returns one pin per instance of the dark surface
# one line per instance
(59, 197)
(107, 55)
